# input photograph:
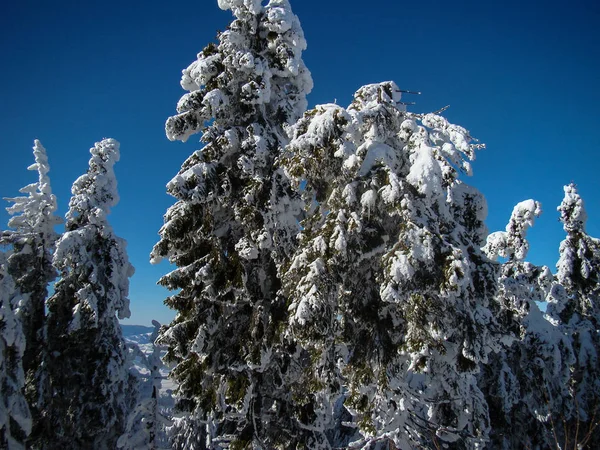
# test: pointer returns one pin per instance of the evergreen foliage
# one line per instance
(231, 228)
(575, 306)
(389, 289)
(526, 382)
(32, 240)
(88, 395)
(334, 282)
(386, 323)
(15, 418)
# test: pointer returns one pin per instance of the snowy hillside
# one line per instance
(142, 337)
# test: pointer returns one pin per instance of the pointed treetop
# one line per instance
(254, 6)
(256, 69)
(95, 192)
(34, 213)
(579, 263)
(572, 211)
(375, 94)
(42, 166)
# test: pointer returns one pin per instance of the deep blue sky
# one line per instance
(522, 76)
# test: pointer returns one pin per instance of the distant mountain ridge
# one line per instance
(135, 330)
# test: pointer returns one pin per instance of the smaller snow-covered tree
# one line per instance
(15, 418)
(87, 403)
(526, 381)
(575, 306)
(32, 239)
(146, 425)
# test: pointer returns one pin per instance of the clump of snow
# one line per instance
(246, 249)
(368, 201)
(197, 183)
(279, 19)
(372, 95)
(392, 192)
(375, 152)
(425, 173)
(237, 6)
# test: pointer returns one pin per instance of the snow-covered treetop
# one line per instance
(237, 6)
(512, 243)
(95, 192)
(270, 80)
(372, 95)
(572, 211)
(425, 150)
(242, 94)
(374, 166)
(578, 268)
(35, 213)
(42, 166)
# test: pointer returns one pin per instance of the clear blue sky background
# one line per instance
(521, 75)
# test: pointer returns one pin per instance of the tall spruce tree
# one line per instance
(576, 308)
(32, 240)
(15, 417)
(526, 382)
(87, 400)
(389, 289)
(231, 228)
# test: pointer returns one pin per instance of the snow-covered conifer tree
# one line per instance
(15, 418)
(231, 228)
(88, 397)
(389, 289)
(32, 240)
(576, 307)
(526, 381)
